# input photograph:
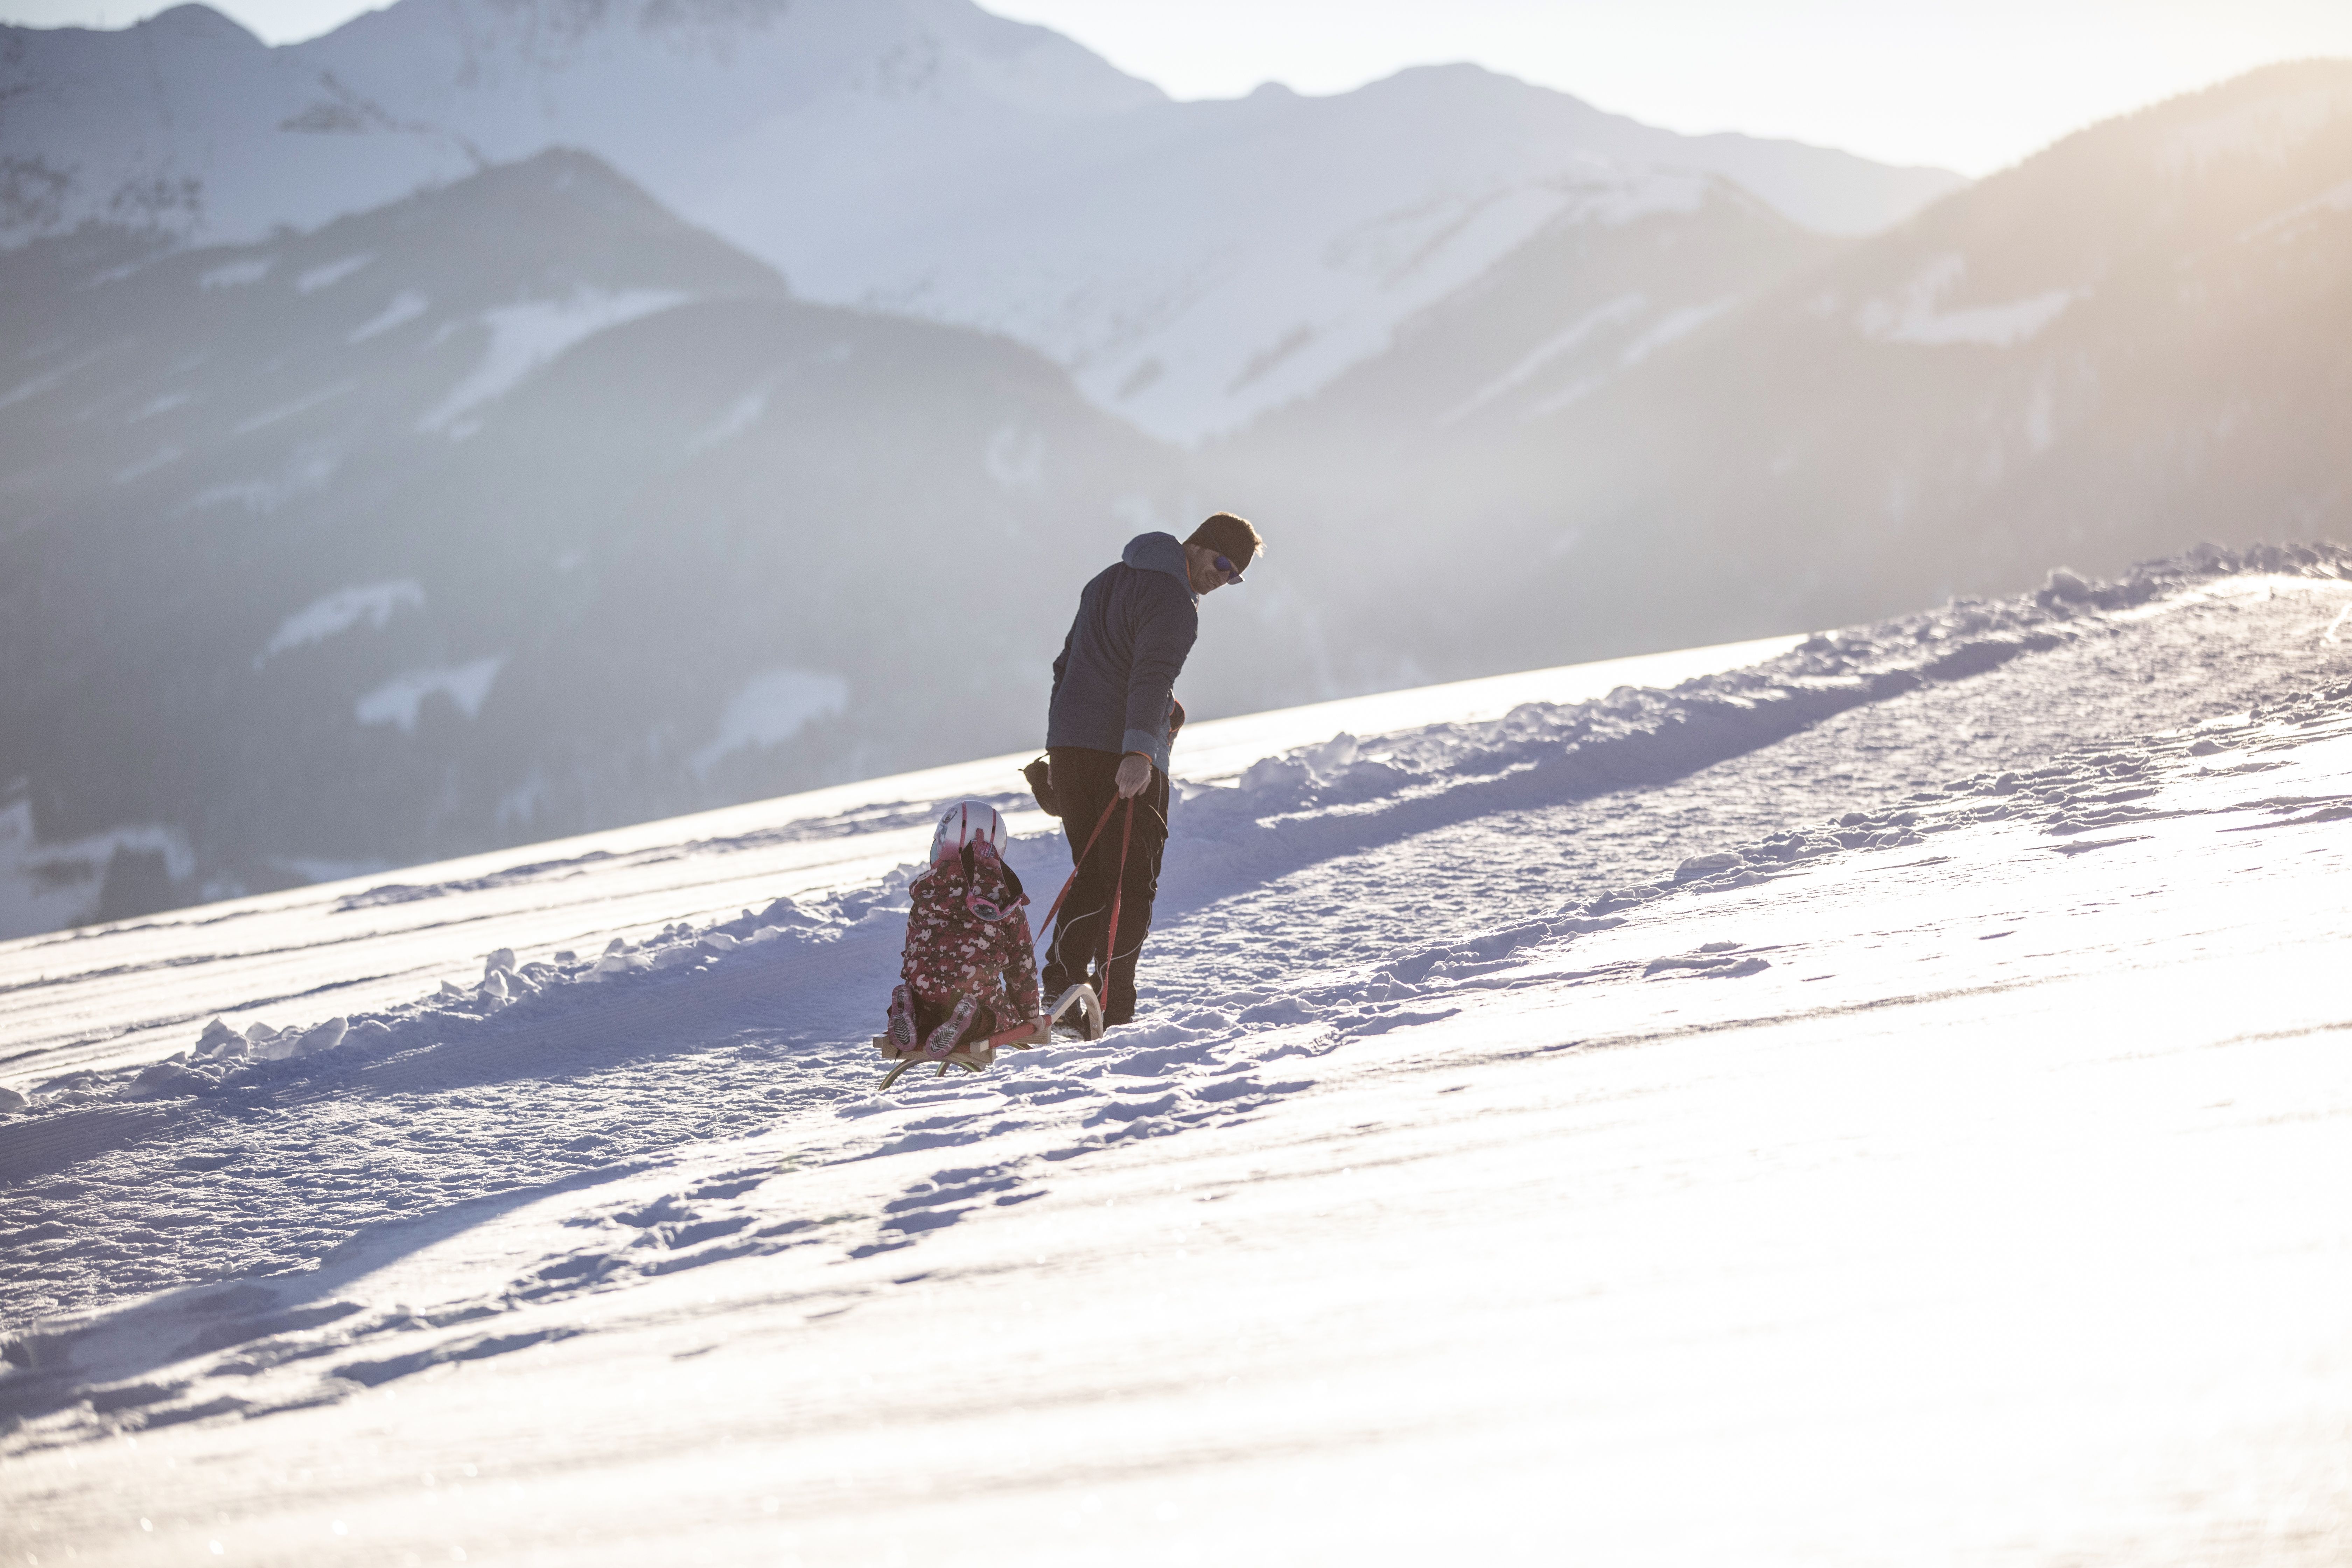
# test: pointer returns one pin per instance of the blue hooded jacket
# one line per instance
(1117, 674)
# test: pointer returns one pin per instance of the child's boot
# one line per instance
(951, 1031)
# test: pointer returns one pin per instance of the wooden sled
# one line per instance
(1076, 1008)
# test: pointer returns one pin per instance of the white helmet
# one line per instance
(966, 822)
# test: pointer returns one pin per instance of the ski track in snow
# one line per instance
(1334, 895)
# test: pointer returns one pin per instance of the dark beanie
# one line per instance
(1231, 537)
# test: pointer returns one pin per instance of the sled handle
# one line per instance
(1081, 996)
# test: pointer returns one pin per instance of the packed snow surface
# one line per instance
(1874, 1098)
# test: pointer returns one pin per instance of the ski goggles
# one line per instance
(1227, 570)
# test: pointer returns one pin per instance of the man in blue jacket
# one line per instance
(1107, 737)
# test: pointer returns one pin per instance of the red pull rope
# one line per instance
(1110, 937)
(1081, 860)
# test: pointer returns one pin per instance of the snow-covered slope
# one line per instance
(187, 125)
(1894, 1080)
(1565, 319)
(1192, 264)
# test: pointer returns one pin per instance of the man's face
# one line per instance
(1201, 565)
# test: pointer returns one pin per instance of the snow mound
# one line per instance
(1293, 810)
(263, 1347)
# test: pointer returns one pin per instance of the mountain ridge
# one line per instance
(526, 505)
(515, 505)
(2120, 346)
(1193, 263)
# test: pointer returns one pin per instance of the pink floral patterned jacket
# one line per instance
(952, 952)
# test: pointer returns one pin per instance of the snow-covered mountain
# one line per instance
(2130, 341)
(512, 508)
(523, 505)
(1192, 264)
(1890, 1090)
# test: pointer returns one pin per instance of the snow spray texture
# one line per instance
(1277, 817)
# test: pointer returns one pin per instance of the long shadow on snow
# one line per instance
(1204, 866)
(577, 1030)
(97, 1358)
(570, 1032)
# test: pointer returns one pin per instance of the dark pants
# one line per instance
(1084, 781)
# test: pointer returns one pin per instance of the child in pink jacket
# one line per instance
(971, 967)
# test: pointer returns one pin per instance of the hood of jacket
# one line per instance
(977, 873)
(1159, 552)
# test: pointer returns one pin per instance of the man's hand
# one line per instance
(1134, 775)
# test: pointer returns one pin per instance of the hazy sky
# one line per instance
(1969, 84)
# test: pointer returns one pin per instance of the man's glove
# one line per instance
(1135, 771)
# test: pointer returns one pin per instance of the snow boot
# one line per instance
(943, 1040)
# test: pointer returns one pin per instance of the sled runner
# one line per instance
(1074, 1009)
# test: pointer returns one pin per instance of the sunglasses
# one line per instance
(1227, 570)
